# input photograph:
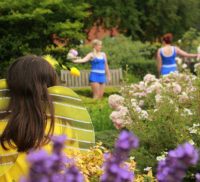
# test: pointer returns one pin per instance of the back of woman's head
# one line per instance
(30, 75)
(167, 38)
(28, 79)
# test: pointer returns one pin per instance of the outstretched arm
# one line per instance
(185, 54)
(159, 62)
(87, 58)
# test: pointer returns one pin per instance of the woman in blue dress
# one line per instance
(166, 55)
(100, 73)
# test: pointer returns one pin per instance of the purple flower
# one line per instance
(197, 177)
(58, 143)
(40, 162)
(174, 167)
(114, 168)
(187, 153)
(45, 167)
(114, 172)
(72, 174)
(127, 141)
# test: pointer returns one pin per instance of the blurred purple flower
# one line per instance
(197, 177)
(58, 143)
(187, 153)
(127, 141)
(174, 167)
(114, 168)
(52, 168)
(73, 175)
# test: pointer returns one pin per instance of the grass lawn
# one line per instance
(100, 111)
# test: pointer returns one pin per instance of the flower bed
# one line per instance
(161, 112)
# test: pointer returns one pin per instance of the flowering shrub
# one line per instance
(58, 167)
(161, 112)
(90, 163)
(87, 166)
(144, 99)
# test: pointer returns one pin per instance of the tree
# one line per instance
(26, 26)
(145, 19)
(159, 17)
(121, 14)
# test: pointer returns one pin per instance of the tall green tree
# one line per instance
(26, 26)
(146, 19)
(114, 13)
(158, 17)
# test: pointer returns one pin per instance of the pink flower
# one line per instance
(115, 101)
(149, 78)
(141, 103)
(72, 54)
(183, 97)
(176, 88)
(121, 117)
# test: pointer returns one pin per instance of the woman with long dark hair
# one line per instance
(29, 100)
(32, 109)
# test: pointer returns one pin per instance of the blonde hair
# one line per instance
(94, 43)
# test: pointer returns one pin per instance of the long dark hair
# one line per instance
(28, 79)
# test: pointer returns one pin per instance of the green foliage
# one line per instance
(26, 26)
(190, 40)
(162, 113)
(108, 137)
(141, 67)
(122, 50)
(166, 130)
(130, 78)
(124, 16)
(98, 109)
(159, 17)
(145, 20)
(100, 116)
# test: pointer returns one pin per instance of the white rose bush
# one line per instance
(161, 112)
(146, 97)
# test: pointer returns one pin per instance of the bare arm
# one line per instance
(107, 68)
(87, 58)
(185, 54)
(159, 62)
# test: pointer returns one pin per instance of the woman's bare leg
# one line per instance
(95, 89)
(101, 90)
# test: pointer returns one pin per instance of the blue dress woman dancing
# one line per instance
(166, 55)
(168, 62)
(100, 73)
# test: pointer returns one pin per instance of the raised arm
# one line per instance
(87, 58)
(159, 61)
(107, 68)
(185, 54)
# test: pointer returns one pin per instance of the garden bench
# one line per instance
(83, 80)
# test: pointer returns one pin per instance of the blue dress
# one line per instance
(168, 62)
(98, 73)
